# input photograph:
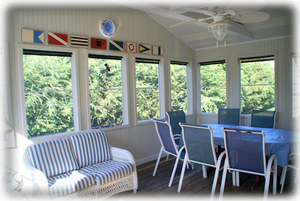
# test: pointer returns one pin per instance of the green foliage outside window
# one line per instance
(213, 87)
(257, 86)
(178, 87)
(147, 94)
(48, 94)
(105, 92)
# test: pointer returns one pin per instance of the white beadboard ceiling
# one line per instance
(281, 24)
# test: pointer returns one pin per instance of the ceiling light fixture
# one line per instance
(219, 29)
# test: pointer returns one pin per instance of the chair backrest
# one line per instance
(245, 150)
(165, 135)
(230, 116)
(198, 142)
(263, 118)
(174, 118)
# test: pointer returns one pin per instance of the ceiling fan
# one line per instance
(221, 15)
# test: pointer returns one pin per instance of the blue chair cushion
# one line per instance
(91, 148)
(53, 158)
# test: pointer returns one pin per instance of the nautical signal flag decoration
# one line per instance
(79, 41)
(157, 50)
(57, 39)
(130, 47)
(32, 36)
(98, 43)
(145, 49)
(116, 45)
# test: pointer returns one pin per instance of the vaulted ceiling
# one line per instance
(280, 24)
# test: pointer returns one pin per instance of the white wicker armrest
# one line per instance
(122, 155)
(38, 178)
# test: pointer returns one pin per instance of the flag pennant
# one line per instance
(98, 43)
(32, 36)
(130, 47)
(157, 50)
(57, 39)
(116, 45)
(145, 49)
(79, 41)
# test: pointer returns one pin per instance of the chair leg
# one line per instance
(157, 162)
(204, 171)
(268, 175)
(275, 176)
(282, 180)
(174, 170)
(233, 178)
(182, 175)
(237, 178)
(223, 180)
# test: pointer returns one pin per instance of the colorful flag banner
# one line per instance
(57, 39)
(32, 36)
(79, 41)
(145, 49)
(98, 43)
(157, 50)
(130, 47)
(116, 45)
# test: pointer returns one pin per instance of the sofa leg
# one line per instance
(134, 191)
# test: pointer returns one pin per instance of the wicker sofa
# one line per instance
(79, 165)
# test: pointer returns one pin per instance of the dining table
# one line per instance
(277, 141)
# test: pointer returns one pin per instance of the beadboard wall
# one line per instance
(131, 26)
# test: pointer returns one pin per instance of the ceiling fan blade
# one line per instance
(242, 9)
(253, 17)
(199, 10)
(189, 22)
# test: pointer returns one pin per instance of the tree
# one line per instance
(48, 94)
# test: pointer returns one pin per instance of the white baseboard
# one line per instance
(148, 159)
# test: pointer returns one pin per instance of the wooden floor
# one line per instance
(195, 186)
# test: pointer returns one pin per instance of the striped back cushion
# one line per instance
(53, 157)
(91, 148)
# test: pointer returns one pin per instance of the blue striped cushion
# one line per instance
(70, 182)
(112, 170)
(91, 148)
(53, 158)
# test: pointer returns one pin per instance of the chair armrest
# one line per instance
(122, 155)
(38, 178)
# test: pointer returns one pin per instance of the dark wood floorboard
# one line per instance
(196, 187)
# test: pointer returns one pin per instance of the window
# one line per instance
(105, 89)
(296, 85)
(178, 72)
(147, 88)
(213, 86)
(48, 92)
(257, 83)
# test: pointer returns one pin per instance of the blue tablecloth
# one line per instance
(277, 141)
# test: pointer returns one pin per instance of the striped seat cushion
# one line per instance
(111, 170)
(91, 148)
(70, 182)
(53, 157)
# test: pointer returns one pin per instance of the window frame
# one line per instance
(199, 104)
(74, 77)
(189, 84)
(125, 100)
(161, 86)
(297, 56)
